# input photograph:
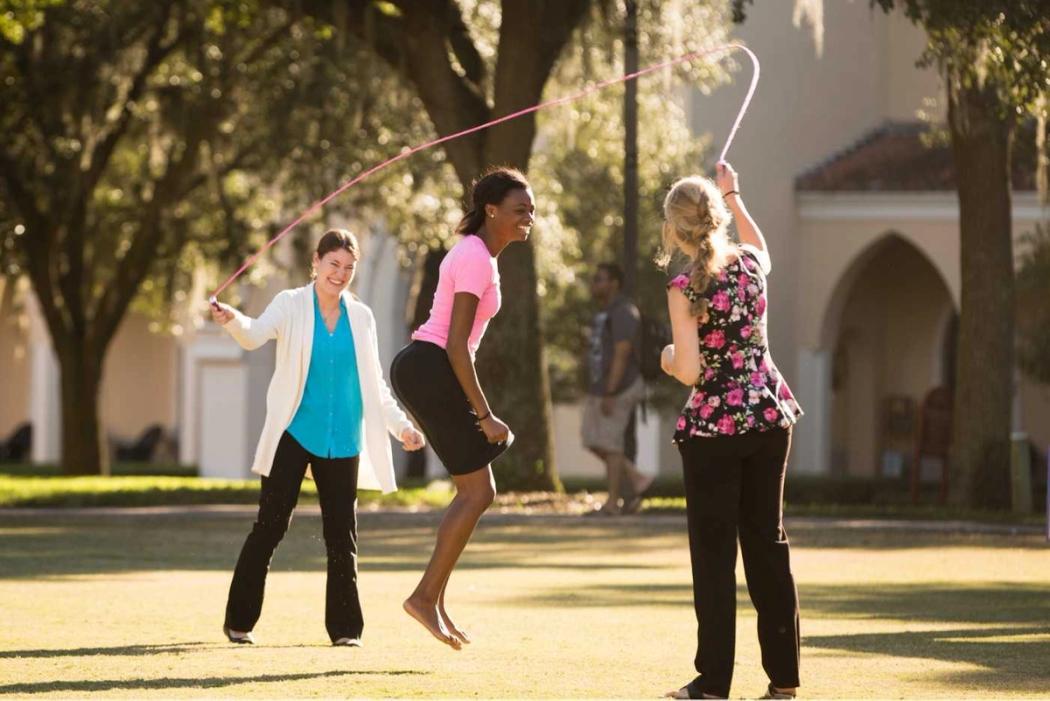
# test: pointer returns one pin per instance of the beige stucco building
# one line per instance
(862, 223)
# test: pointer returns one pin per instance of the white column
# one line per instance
(572, 459)
(650, 434)
(221, 427)
(218, 429)
(383, 285)
(188, 402)
(44, 395)
(811, 439)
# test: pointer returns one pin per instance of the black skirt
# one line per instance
(422, 378)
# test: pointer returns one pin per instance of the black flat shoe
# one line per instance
(347, 642)
(690, 691)
(772, 693)
(242, 639)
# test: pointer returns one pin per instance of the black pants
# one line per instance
(735, 485)
(337, 489)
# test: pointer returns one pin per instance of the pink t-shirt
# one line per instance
(468, 267)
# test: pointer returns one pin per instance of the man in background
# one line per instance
(615, 388)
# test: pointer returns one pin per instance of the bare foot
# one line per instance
(452, 627)
(428, 616)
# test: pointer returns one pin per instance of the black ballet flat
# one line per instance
(772, 693)
(246, 639)
(347, 642)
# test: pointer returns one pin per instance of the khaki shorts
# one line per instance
(606, 433)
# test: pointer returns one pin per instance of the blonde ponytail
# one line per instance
(695, 223)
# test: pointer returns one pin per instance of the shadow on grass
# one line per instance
(1011, 646)
(984, 603)
(141, 650)
(619, 595)
(1005, 626)
(95, 545)
(981, 602)
(818, 534)
(118, 651)
(86, 685)
(1007, 660)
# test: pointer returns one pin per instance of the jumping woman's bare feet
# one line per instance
(427, 614)
(452, 627)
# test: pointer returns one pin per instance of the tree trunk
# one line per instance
(83, 445)
(630, 152)
(513, 371)
(980, 452)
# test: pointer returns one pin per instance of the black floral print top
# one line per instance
(740, 389)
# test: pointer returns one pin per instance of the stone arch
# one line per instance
(885, 327)
(839, 292)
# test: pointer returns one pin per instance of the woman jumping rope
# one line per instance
(434, 377)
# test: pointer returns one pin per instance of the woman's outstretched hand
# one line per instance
(412, 440)
(726, 178)
(221, 313)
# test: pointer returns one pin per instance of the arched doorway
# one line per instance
(891, 332)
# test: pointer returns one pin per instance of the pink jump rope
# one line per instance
(535, 108)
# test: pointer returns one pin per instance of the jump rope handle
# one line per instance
(214, 303)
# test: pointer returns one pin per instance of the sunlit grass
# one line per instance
(129, 606)
(152, 490)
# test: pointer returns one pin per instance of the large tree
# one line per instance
(993, 56)
(77, 81)
(144, 141)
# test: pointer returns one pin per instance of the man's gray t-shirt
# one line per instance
(619, 321)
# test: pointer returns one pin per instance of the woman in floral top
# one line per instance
(734, 433)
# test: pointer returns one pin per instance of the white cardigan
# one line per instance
(290, 319)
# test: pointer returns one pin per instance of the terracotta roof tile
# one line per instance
(909, 157)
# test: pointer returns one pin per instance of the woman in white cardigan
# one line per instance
(328, 408)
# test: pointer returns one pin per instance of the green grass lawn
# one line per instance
(130, 606)
(144, 484)
(132, 487)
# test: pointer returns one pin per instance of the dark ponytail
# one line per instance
(491, 188)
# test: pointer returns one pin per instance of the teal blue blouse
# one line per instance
(328, 422)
